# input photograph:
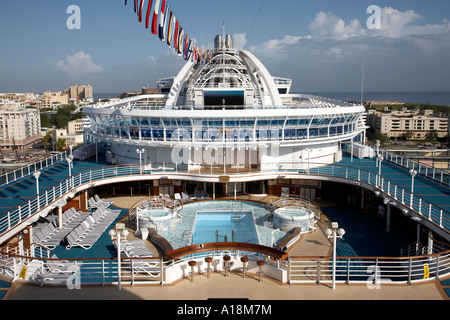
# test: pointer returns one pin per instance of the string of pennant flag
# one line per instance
(165, 25)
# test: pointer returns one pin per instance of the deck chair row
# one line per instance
(96, 202)
(92, 228)
(51, 235)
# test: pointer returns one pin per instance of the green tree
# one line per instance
(407, 135)
(432, 136)
(384, 139)
(61, 144)
(47, 140)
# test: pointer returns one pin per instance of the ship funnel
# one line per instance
(221, 43)
(218, 42)
(228, 41)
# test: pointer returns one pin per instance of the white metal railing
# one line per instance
(374, 271)
(424, 170)
(31, 168)
(370, 270)
(424, 208)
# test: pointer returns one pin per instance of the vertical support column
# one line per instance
(388, 219)
(362, 199)
(83, 201)
(60, 222)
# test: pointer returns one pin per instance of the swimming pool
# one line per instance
(181, 234)
(224, 226)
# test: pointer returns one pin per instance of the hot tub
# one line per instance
(287, 218)
(160, 218)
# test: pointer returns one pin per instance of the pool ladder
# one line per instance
(225, 236)
(187, 233)
(236, 218)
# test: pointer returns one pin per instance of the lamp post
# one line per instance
(36, 176)
(413, 174)
(377, 145)
(118, 236)
(140, 152)
(309, 155)
(334, 232)
(380, 159)
(69, 161)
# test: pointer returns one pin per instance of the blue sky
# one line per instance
(320, 44)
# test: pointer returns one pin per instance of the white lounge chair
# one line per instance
(204, 194)
(102, 201)
(198, 195)
(55, 265)
(139, 266)
(185, 198)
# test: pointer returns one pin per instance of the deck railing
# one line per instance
(424, 170)
(48, 198)
(31, 168)
(373, 271)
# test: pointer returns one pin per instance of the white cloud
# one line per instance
(328, 25)
(78, 64)
(403, 54)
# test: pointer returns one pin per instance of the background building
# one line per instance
(19, 127)
(78, 93)
(54, 100)
(397, 123)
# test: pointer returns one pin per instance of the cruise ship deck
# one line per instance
(366, 231)
(226, 172)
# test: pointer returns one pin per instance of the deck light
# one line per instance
(36, 176)
(118, 235)
(334, 232)
(413, 175)
(380, 160)
(140, 152)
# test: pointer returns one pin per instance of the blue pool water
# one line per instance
(181, 234)
(224, 226)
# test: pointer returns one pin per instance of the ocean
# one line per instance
(436, 98)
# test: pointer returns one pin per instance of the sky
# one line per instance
(322, 45)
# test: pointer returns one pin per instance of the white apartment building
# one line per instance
(71, 138)
(19, 127)
(76, 126)
(396, 123)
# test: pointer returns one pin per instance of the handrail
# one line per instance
(19, 173)
(294, 234)
(312, 268)
(216, 246)
(433, 174)
(434, 255)
(433, 213)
